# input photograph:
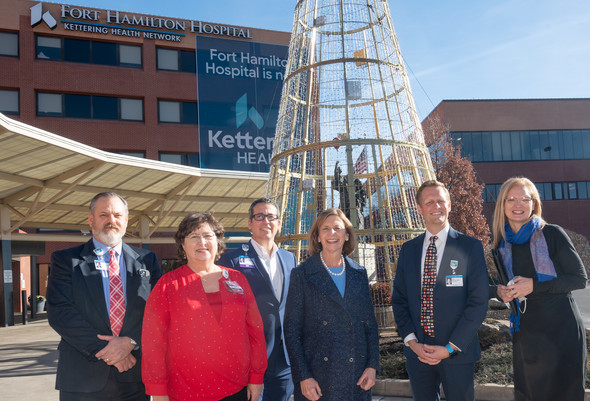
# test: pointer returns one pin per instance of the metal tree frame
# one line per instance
(348, 134)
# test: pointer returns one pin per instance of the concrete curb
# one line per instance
(483, 392)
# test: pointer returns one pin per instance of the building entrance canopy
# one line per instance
(47, 182)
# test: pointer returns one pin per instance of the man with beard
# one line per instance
(96, 295)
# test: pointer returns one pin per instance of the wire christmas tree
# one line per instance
(348, 134)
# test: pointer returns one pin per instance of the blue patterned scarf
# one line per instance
(543, 264)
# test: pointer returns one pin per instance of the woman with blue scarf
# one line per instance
(549, 339)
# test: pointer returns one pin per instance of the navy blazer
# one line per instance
(77, 311)
(458, 311)
(271, 309)
(331, 338)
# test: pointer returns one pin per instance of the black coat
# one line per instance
(331, 338)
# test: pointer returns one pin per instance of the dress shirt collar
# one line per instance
(262, 252)
(118, 248)
(442, 236)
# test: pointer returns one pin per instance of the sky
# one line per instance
(483, 49)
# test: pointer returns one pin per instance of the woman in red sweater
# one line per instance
(203, 337)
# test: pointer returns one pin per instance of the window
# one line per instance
(583, 190)
(89, 106)
(132, 109)
(49, 104)
(557, 191)
(176, 60)
(177, 112)
(76, 50)
(88, 51)
(49, 48)
(9, 103)
(186, 159)
(130, 56)
(8, 44)
(492, 146)
(547, 191)
(572, 190)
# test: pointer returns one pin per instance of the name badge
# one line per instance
(101, 265)
(246, 262)
(454, 281)
(233, 287)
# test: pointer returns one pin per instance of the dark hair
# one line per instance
(107, 195)
(431, 183)
(261, 200)
(314, 244)
(192, 222)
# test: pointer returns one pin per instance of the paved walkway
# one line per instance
(28, 361)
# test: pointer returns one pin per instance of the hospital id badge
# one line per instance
(246, 262)
(454, 281)
(233, 287)
(101, 265)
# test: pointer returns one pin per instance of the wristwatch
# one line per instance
(452, 352)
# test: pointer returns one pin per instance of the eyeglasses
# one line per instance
(262, 216)
(197, 237)
(515, 200)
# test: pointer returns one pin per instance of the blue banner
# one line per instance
(239, 87)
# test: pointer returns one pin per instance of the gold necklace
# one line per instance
(330, 271)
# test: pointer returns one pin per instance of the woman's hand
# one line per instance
(160, 398)
(522, 287)
(504, 293)
(311, 389)
(367, 379)
(254, 391)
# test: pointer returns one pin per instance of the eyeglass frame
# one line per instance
(261, 216)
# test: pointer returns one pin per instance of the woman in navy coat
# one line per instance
(330, 326)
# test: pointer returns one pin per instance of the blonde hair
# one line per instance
(314, 234)
(500, 211)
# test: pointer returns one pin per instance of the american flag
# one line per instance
(360, 166)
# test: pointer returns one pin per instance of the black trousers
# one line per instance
(113, 391)
(241, 395)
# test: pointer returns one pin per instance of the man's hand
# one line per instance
(311, 389)
(116, 350)
(126, 363)
(254, 391)
(367, 379)
(436, 351)
(423, 355)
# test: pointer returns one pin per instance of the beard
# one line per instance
(108, 237)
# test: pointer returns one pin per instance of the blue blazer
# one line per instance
(271, 309)
(77, 311)
(331, 338)
(458, 311)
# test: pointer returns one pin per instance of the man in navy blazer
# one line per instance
(93, 363)
(459, 302)
(268, 269)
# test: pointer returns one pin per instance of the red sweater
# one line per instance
(187, 353)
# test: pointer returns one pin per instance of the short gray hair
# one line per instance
(107, 195)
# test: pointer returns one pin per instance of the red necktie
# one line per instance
(428, 282)
(116, 293)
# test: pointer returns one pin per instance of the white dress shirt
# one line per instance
(272, 266)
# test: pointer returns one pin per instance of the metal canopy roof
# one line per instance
(47, 181)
